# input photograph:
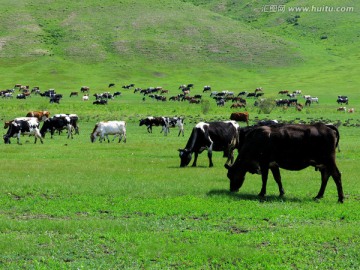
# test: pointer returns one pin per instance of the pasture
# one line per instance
(76, 204)
(73, 204)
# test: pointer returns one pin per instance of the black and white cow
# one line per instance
(175, 122)
(23, 125)
(151, 121)
(213, 136)
(57, 123)
(74, 122)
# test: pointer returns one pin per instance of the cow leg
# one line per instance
(210, 156)
(336, 175)
(324, 179)
(276, 173)
(18, 138)
(195, 159)
(264, 177)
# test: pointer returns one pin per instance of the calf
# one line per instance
(213, 136)
(24, 125)
(103, 129)
(291, 147)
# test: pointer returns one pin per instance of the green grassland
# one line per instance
(73, 204)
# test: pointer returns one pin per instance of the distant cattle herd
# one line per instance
(267, 145)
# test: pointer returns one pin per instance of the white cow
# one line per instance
(105, 128)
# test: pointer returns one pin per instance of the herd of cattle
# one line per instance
(265, 146)
(158, 93)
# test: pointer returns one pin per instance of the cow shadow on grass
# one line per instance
(254, 197)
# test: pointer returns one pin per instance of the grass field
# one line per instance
(73, 204)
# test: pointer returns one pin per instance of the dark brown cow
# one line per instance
(240, 117)
(85, 89)
(238, 105)
(74, 94)
(291, 147)
(40, 115)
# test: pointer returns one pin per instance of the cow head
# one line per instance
(92, 137)
(236, 177)
(185, 157)
(6, 139)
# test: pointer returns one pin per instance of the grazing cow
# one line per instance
(240, 117)
(74, 94)
(40, 115)
(100, 102)
(57, 123)
(291, 147)
(150, 121)
(213, 136)
(117, 93)
(238, 105)
(85, 97)
(341, 109)
(207, 88)
(351, 110)
(55, 98)
(283, 92)
(21, 96)
(111, 85)
(24, 125)
(103, 129)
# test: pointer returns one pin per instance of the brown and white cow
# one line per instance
(40, 115)
(291, 147)
(240, 117)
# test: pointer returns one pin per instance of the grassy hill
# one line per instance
(228, 44)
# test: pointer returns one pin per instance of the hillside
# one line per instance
(229, 44)
(159, 31)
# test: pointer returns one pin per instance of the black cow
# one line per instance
(100, 102)
(291, 147)
(26, 126)
(21, 96)
(150, 121)
(57, 123)
(213, 136)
